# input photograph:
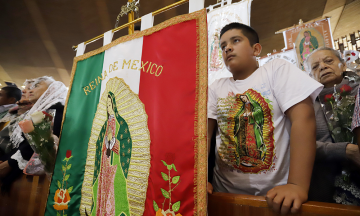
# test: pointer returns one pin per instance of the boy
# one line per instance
(256, 153)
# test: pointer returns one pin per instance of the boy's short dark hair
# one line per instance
(249, 32)
(12, 92)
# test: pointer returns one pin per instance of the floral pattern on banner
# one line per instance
(175, 180)
(62, 194)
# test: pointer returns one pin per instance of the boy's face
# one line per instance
(236, 50)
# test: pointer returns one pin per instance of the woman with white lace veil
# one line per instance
(45, 93)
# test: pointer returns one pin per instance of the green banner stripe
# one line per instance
(81, 108)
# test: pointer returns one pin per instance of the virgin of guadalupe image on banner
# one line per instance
(218, 18)
(120, 152)
(308, 37)
(114, 147)
(308, 40)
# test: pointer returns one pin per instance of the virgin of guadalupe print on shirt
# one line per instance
(246, 131)
(116, 170)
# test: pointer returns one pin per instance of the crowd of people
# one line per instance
(283, 133)
(289, 136)
(40, 94)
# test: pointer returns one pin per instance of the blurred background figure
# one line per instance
(9, 95)
(44, 93)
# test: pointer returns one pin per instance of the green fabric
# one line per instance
(122, 162)
(3, 114)
(257, 119)
(76, 131)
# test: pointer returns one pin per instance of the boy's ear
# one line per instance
(257, 49)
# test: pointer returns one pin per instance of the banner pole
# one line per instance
(136, 21)
(130, 19)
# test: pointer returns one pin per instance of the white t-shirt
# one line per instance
(253, 137)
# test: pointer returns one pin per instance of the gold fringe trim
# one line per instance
(200, 120)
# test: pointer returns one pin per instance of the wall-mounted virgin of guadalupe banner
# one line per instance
(134, 133)
(308, 37)
(217, 19)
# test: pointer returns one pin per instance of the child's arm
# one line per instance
(211, 127)
(302, 156)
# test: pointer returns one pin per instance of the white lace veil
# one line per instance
(56, 93)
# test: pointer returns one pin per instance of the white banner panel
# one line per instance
(218, 18)
(124, 58)
(288, 55)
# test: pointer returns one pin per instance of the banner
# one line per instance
(308, 37)
(288, 55)
(217, 19)
(134, 131)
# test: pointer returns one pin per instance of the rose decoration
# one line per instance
(38, 132)
(48, 116)
(168, 212)
(62, 194)
(159, 212)
(37, 117)
(338, 108)
(61, 198)
(68, 153)
(329, 98)
(345, 89)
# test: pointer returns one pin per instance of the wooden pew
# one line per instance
(247, 205)
(27, 197)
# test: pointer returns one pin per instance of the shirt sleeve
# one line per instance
(291, 85)
(212, 100)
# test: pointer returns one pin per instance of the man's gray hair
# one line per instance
(335, 52)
